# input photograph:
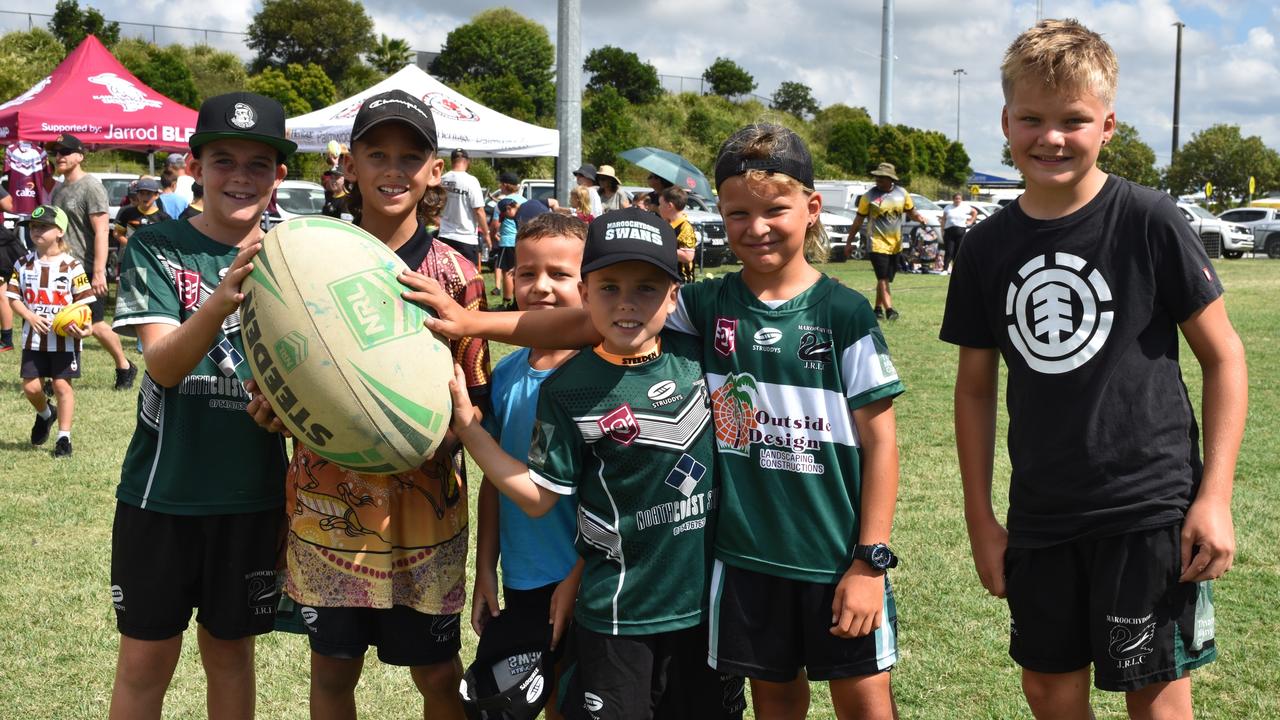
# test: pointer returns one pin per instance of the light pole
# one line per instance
(958, 72)
(1177, 89)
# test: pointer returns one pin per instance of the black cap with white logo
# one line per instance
(395, 106)
(511, 676)
(242, 116)
(630, 234)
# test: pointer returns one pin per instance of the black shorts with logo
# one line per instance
(403, 636)
(1114, 602)
(884, 265)
(57, 365)
(504, 258)
(768, 627)
(224, 566)
(639, 677)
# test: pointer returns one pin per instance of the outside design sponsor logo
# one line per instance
(1129, 642)
(765, 338)
(1059, 313)
(620, 424)
(726, 335)
(740, 421)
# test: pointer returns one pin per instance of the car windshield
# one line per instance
(300, 200)
(116, 190)
(842, 212)
(924, 203)
(1199, 211)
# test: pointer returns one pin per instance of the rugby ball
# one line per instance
(72, 315)
(345, 362)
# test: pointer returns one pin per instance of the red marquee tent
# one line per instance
(93, 97)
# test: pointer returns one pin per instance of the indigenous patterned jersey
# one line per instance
(783, 383)
(884, 210)
(24, 165)
(195, 450)
(45, 286)
(359, 540)
(634, 442)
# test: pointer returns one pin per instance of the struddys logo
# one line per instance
(122, 92)
(1060, 312)
(444, 106)
(726, 340)
(620, 424)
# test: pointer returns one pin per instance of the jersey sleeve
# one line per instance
(472, 353)
(1185, 279)
(864, 205)
(693, 307)
(96, 199)
(475, 194)
(146, 293)
(81, 288)
(964, 319)
(866, 368)
(555, 450)
(908, 203)
(14, 288)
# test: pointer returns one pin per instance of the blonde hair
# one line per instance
(580, 199)
(764, 140)
(1064, 55)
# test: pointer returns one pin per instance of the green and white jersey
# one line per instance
(784, 382)
(195, 450)
(634, 442)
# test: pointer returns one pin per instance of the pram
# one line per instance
(920, 252)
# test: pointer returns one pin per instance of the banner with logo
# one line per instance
(92, 96)
(460, 121)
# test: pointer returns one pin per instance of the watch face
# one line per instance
(880, 556)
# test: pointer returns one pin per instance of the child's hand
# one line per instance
(38, 324)
(464, 413)
(562, 601)
(484, 599)
(859, 602)
(78, 332)
(227, 296)
(262, 412)
(451, 318)
(1210, 532)
(988, 542)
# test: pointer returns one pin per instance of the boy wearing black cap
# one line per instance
(145, 210)
(199, 516)
(627, 427)
(336, 197)
(502, 231)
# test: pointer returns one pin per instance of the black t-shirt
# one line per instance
(132, 218)
(1084, 310)
(190, 212)
(336, 206)
(415, 250)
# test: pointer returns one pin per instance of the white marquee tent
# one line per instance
(460, 121)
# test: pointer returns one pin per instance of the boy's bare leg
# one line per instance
(33, 388)
(864, 697)
(66, 402)
(229, 677)
(1058, 696)
(1161, 701)
(143, 671)
(781, 701)
(333, 687)
(883, 299)
(438, 684)
(111, 342)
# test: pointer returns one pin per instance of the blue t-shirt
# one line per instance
(534, 551)
(507, 231)
(172, 204)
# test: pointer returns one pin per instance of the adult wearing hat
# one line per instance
(586, 177)
(885, 204)
(611, 198)
(83, 198)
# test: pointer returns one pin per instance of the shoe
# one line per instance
(48, 387)
(880, 313)
(5, 347)
(125, 377)
(62, 448)
(40, 428)
(891, 314)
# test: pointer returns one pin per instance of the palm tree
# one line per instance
(389, 54)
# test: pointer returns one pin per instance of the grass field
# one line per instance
(58, 645)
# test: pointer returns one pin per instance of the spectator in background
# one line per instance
(957, 218)
(170, 201)
(502, 235)
(657, 185)
(586, 177)
(197, 203)
(145, 210)
(177, 162)
(580, 204)
(641, 200)
(11, 250)
(464, 209)
(336, 198)
(611, 196)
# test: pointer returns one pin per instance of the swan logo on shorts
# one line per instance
(592, 702)
(444, 628)
(1059, 311)
(1129, 644)
(309, 616)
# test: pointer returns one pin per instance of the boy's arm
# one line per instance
(562, 601)
(556, 328)
(38, 324)
(484, 598)
(859, 599)
(171, 351)
(975, 424)
(1208, 527)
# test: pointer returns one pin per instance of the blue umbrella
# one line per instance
(670, 167)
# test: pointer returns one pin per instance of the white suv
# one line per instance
(1234, 240)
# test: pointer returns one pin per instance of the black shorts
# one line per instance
(57, 365)
(1114, 602)
(470, 251)
(767, 627)
(885, 266)
(402, 635)
(504, 258)
(638, 677)
(224, 566)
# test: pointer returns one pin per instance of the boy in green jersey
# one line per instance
(626, 426)
(199, 518)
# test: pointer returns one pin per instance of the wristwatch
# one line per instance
(878, 556)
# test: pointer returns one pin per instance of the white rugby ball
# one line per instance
(345, 362)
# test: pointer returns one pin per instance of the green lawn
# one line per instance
(59, 643)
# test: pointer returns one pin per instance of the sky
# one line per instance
(1230, 56)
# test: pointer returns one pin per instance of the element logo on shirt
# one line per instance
(726, 336)
(620, 424)
(1059, 312)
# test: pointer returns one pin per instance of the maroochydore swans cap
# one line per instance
(630, 234)
(242, 116)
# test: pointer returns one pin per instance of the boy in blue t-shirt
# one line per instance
(540, 566)
(503, 227)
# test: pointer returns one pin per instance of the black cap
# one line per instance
(586, 170)
(68, 141)
(791, 158)
(630, 234)
(149, 184)
(530, 209)
(395, 106)
(507, 202)
(508, 178)
(514, 666)
(242, 116)
(459, 153)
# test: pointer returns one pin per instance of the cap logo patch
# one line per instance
(633, 230)
(243, 116)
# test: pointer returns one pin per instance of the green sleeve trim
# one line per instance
(893, 389)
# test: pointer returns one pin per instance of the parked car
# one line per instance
(927, 208)
(841, 193)
(1248, 217)
(1232, 240)
(1266, 238)
(295, 198)
(539, 189)
(713, 244)
(117, 185)
(837, 221)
